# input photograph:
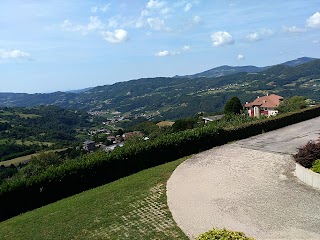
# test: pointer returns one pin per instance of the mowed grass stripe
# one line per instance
(134, 207)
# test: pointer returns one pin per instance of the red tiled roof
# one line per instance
(270, 101)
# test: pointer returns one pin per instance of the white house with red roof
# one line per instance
(264, 106)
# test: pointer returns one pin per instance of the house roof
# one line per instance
(269, 101)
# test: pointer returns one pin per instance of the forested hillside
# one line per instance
(178, 97)
(27, 130)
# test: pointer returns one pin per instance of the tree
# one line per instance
(292, 104)
(40, 162)
(233, 106)
(184, 124)
(46, 159)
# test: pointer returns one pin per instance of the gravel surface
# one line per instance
(248, 186)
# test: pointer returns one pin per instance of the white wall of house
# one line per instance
(256, 110)
(272, 112)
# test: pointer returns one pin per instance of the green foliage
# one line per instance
(145, 127)
(7, 172)
(233, 106)
(184, 124)
(11, 150)
(316, 166)
(52, 124)
(40, 163)
(223, 234)
(292, 104)
(90, 170)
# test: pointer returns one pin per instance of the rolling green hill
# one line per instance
(178, 97)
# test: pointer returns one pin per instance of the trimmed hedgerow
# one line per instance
(223, 234)
(99, 168)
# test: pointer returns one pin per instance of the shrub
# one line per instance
(308, 154)
(316, 166)
(222, 234)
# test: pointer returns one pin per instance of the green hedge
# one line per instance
(99, 168)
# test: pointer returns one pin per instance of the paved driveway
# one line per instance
(248, 186)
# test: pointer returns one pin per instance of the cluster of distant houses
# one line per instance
(261, 106)
(118, 141)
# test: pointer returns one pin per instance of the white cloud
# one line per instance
(94, 9)
(196, 19)
(118, 36)
(167, 53)
(113, 22)
(293, 29)
(186, 48)
(165, 11)
(14, 54)
(187, 7)
(164, 53)
(94, 24)
(157, 24)
(105, 7)
(221, 38)
(240, 56)
(158, 7)
(259, 35)
(314, 21)
(155, 4)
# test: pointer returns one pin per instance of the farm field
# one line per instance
(16, 161)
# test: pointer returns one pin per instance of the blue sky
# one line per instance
(53, 45)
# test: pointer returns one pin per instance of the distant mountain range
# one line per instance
(80, 90)
(227, 70)
(177, 97)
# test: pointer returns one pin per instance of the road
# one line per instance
(248, 186)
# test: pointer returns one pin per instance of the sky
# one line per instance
(59, 45)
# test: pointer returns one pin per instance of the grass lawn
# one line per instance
(134, 207)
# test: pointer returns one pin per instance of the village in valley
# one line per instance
(107, 139)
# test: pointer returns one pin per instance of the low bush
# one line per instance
(223, 234)
(308, 154)
(316, 166)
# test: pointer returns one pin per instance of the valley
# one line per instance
(180, 97)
